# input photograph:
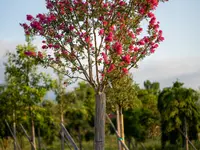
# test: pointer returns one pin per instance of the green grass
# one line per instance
(110, 144)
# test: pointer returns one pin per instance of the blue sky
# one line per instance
(176, 58)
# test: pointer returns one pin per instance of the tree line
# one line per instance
(139, 114)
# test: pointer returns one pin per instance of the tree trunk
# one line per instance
(120, 126)
(186, 136)
(62, 131)
(100, 121)
(14, 131)
(33, 147)
(39, 139)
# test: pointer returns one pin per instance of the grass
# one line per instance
(110, 144)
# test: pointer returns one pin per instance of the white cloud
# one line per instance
(167, 70)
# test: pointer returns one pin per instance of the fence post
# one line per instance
(29, 139)
(13, 135)
(69, 138)
(118, 136)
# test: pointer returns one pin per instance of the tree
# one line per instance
(122, 95)
(59, 89)
(25, 87)
(179, 113)
(141, 123)
(93, 38)
(46, 122)
(149, 99)
(10, 106)
(137, 123)
(81, 108)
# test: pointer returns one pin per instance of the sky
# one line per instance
(178, 57)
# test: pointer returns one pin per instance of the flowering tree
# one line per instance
(91, 39)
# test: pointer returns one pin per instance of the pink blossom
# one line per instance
(112, 28)
(152, 50)
(111, 68)
(134, 58)
(127, 58)
(99, 60)
(36, 25)
(105, 5)
(25, 26)
(150, 15)
(136, 49)
(141, 42)
(29, 17)
(125, 70)
(107, 47)
(155, 46)
(131, 34)
(41, 17)
(40, 55)
(141, 11)
(152, 21)
(122, 3)
(109, 38)
(71, 27)
(160, 32)
(118, 14)
(61, 26)
(90, 45)
(154, 2)
(144, 53)
(51, 18)
(156, 26)
(49, 4)
(122, 63)
(64, 52)
(105, 23)
(105, 58)
(71, 9)
(101, 31)
(56, 46)
(139, 30)
(146, 39)
(50, 45)
(161, 38)
(118, 48)
(30, 53)
(44, 47)
(101, 18)
(131, 47)
(87, 39)
(69, 40)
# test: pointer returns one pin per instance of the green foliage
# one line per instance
(82, 108)
(21, 72)
(143, 123)
(24, 90)
(175, 104)
(45, 122)
(137, 123)
(123, 93)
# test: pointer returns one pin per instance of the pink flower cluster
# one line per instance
(34, 54)
(122, 41)
(118, 48)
